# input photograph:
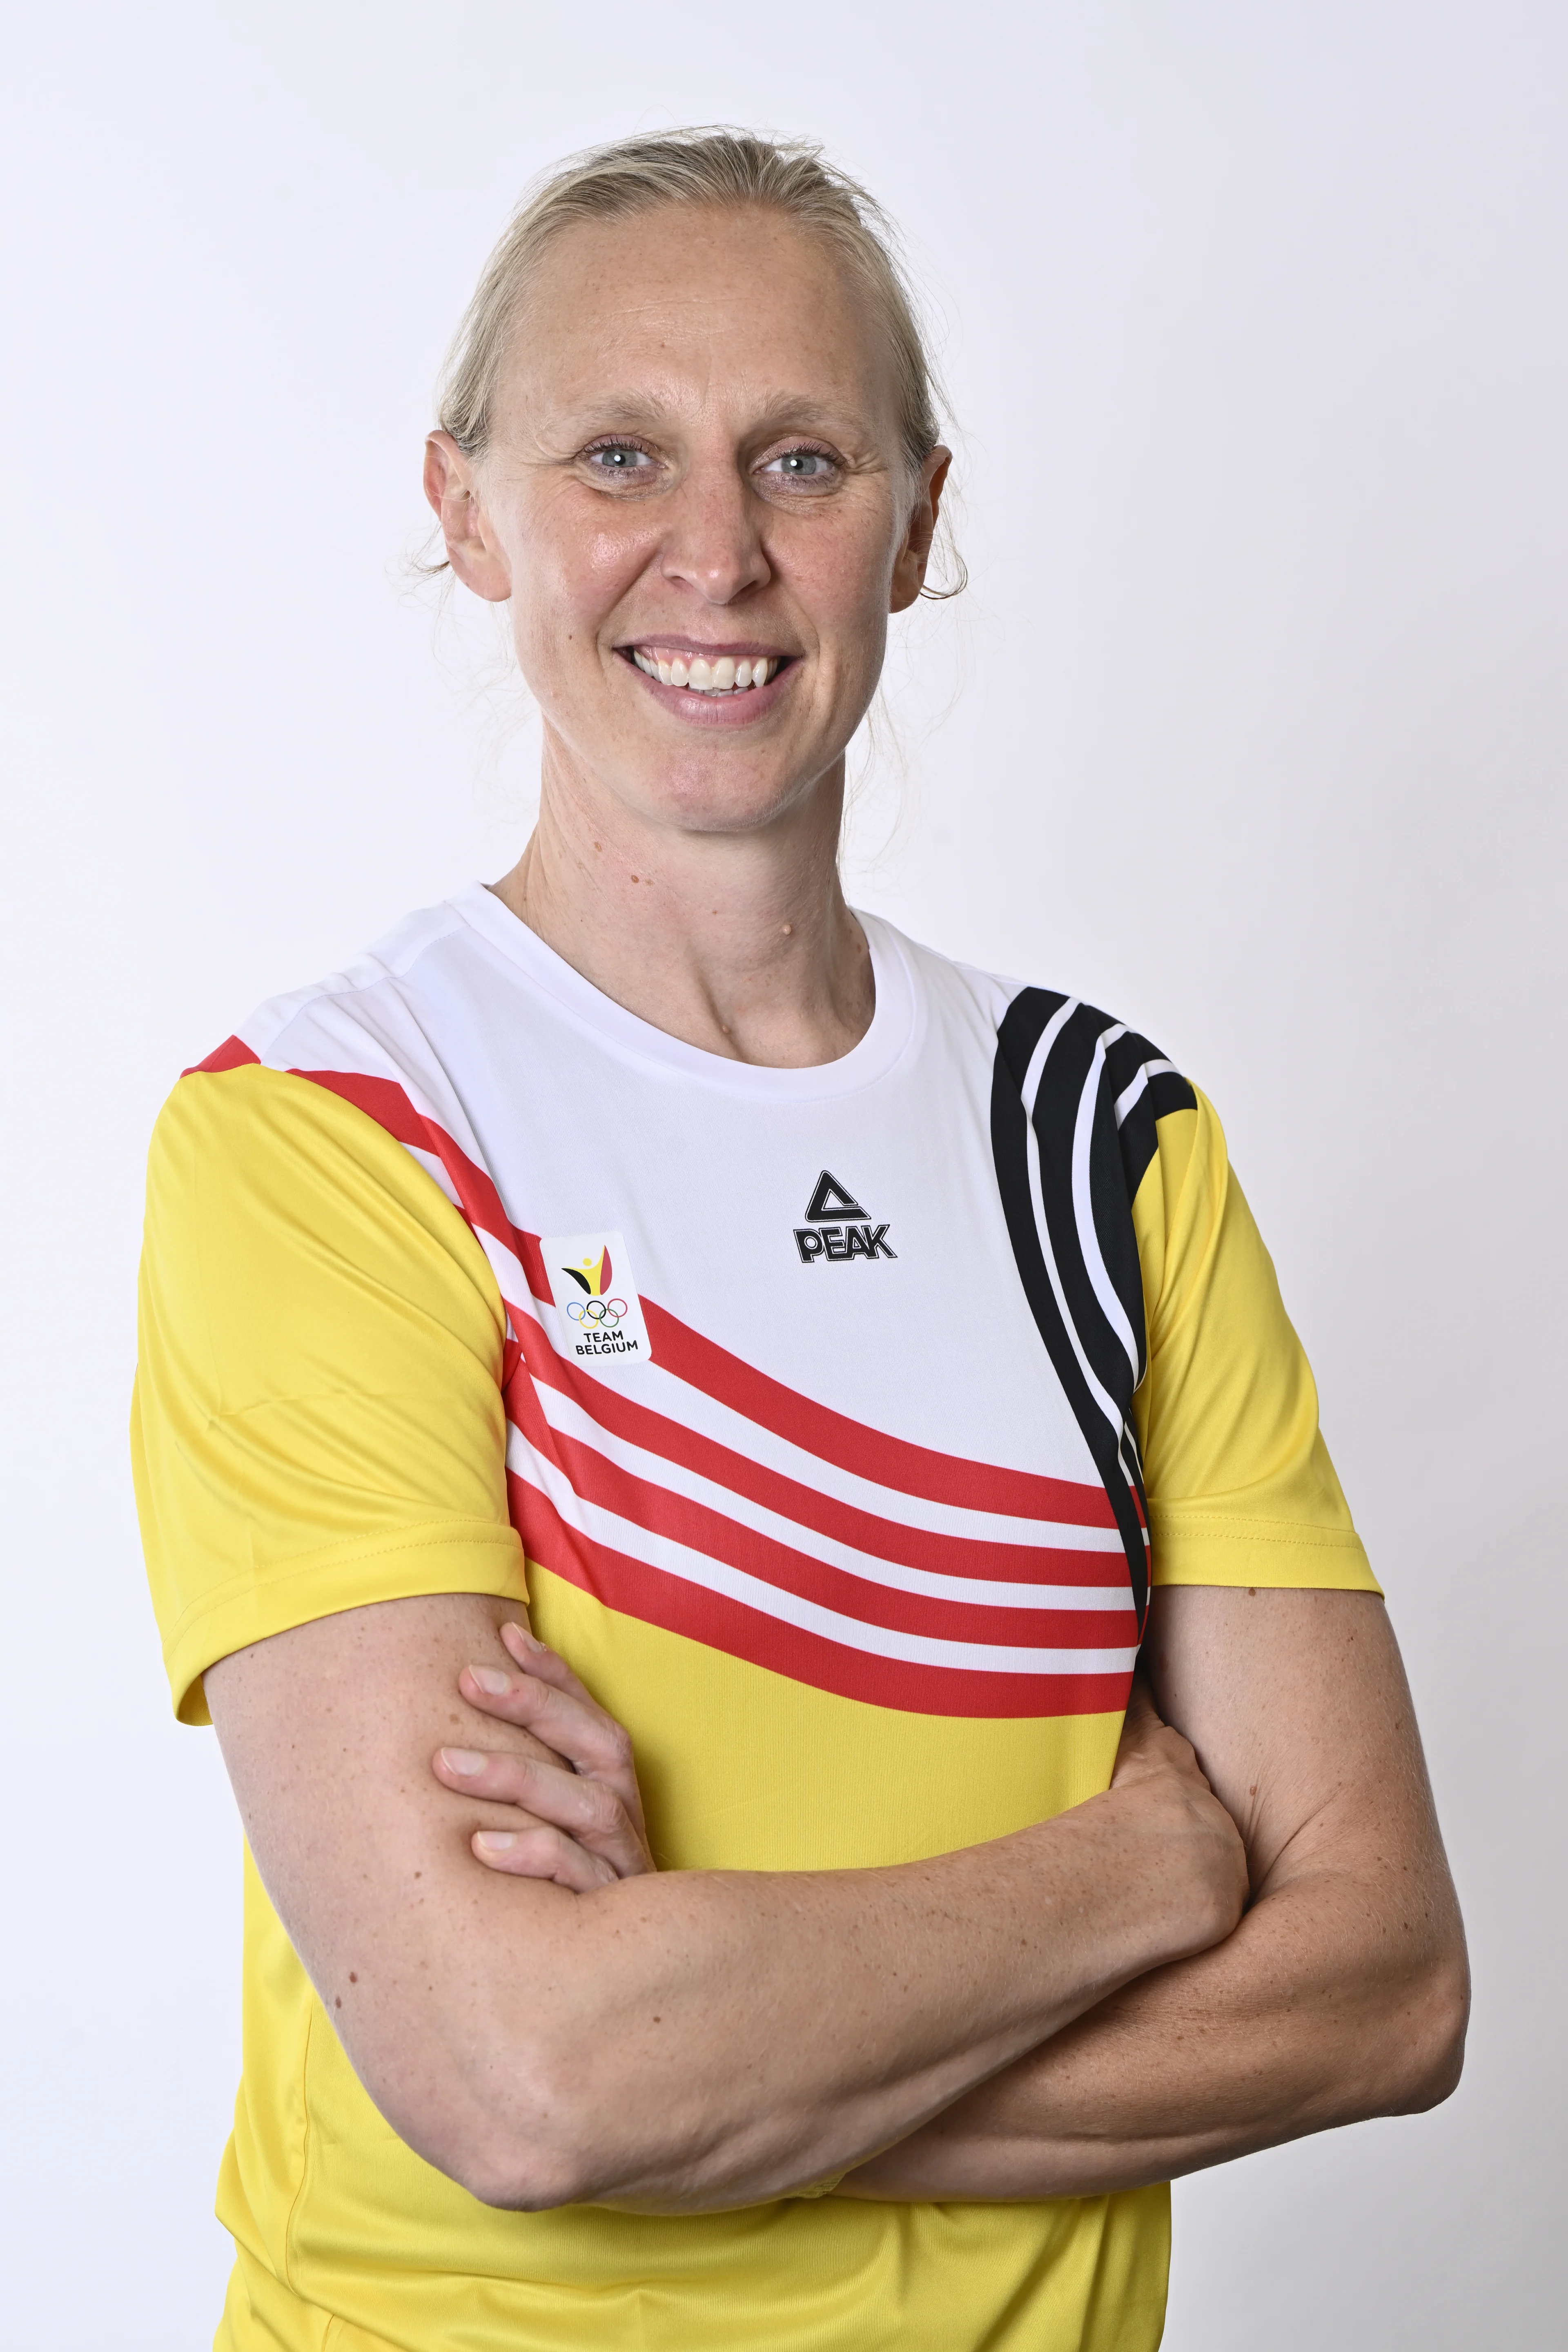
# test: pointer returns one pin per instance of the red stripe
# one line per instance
(622, 1416)
(656, 1597)
(852, 1445)
(871, 1453)
(711, 1533)
(234, 1054)
(384, 1101)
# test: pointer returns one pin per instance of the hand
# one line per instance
(580, 1816)
(1158, 1768)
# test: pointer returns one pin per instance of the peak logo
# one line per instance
(837, 1228)
(595, 1298)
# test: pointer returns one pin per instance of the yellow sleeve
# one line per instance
(1240, 1487)
(318, 1421)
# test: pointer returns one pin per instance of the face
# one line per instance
(697, 501)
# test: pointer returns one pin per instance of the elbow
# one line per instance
(498, 2169)
(531, 2149)
(1432, 2049)
(512, 2134)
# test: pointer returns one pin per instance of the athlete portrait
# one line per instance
(811, 1721)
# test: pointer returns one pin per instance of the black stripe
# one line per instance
(1119, 1162)
(1168, 1092)
(1070, 1070)
(1112, 1450)
(1110, 1203)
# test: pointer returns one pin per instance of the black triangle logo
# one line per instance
(830, 1201)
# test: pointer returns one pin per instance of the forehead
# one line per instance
(685, 306)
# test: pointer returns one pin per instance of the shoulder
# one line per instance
(316, 1115)
(359, 1016)
(237, 1131)
(275, 1208)
(385, 1058)
(1083, 1079)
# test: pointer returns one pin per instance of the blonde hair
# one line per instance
(711, 167)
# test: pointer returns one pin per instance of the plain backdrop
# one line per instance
(1251, 728)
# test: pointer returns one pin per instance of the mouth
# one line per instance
(716, 674)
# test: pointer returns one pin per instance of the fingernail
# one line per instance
(465, 1761)
(491, 1679)
(495, 1840)
(529, 1641)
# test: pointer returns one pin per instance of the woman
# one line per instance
(843, 1339)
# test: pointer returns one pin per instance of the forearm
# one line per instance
(678, 2039)
(1343, 1991)
(1327, 2005)
(694, 2040)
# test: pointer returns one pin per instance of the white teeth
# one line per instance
(723, 676)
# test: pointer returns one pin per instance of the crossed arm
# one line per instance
(1343, 1992)
(1069, 2010)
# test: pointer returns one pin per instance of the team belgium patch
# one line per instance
(595, 1297)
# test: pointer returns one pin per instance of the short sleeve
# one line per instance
(1240, 1487)
(318, 1422)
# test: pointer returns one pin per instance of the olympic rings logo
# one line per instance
(597, 1313)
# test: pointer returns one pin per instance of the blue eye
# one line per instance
(802, 465)
(618, 458)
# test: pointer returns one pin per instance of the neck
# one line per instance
(740, 943)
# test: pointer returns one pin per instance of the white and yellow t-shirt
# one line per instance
(841, 1416)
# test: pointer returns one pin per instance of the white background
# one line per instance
(1252, 728)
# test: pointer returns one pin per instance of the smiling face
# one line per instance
(697, 500)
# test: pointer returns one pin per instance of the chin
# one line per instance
(705, 800)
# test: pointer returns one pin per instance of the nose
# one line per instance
(715, 544)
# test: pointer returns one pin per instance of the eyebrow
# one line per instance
(782, 409)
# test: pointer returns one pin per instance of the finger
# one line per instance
(586, 1810)
(542, 1852)
(531, 1745)
(546, 1698)
(540, 1664)
(566, 1720)
(537, 1657)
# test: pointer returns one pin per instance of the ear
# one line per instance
(910, 563)
(473, 550)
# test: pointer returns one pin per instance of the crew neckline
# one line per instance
(891, 1032)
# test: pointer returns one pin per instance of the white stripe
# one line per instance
(650, 1469)
(1048, 1038)
(873, 1640)
(707, 1416)
(693, 1409)
(690, 1408)
(1131, 1093)
(434, 1167)
(1032, 1077)
(1083, 1205)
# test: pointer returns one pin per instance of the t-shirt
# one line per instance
(833, 1421)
